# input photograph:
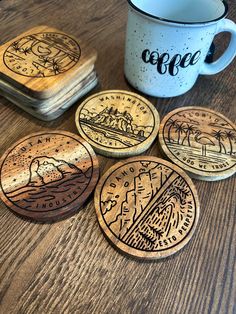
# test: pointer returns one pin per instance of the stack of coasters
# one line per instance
(47, 176)
(44, 71)
(201, 141)
(118, 123)
(147, 207)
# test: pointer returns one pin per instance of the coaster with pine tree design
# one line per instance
(147, 207)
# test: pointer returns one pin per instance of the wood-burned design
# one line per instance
(200, 139)
(42, 55)
(47, 174)
(151, 208)
(118, 122)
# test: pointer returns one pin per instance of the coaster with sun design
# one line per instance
(47, 176)
(43, 60)
(118, 123)
(201, 141)
(44, 71)
(147, 207)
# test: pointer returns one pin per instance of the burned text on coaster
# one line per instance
(118, 123)
(48, 175)
(147, 207)
(43, 54)
(201, 141)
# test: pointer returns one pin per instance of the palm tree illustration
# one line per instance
(15, 46)
(219, 135)
(26, 50)
(231, 137)
(204, 140)
(189, 129)
(170, 123)
(179, 128)
(57, 67)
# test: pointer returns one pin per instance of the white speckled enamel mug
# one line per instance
(167, 42)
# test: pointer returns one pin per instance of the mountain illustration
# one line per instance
(147, 214)
(165, 215)
(146, 185)
(112, 119)
(52, 183)
(44, 170)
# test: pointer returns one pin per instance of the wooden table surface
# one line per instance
(69, 267)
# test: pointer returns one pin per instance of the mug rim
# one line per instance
(179, 22)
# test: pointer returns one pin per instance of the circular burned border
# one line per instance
(195, 172)
(69, 207)
(135, 149)
(122, 245)
(41, 33)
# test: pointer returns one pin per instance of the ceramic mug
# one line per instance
(167, 42)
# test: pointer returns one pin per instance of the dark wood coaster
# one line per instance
(147, 207)
(201, 141)
(118, 123)
(43, 60)
(48, 175)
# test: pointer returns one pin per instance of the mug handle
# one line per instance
(226, 25)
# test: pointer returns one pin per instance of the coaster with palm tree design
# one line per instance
(201, 141)
(44, 60)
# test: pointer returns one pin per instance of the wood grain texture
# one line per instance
(52, 108)
(47, 176)
(69, 267)
(155, 212)
(44, 60)
(201, 141)
(118, 123)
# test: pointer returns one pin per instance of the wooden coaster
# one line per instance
(54, 107)
(48, 175)
(147, 207)
(44, 60)
(201, 141)
(118, 123)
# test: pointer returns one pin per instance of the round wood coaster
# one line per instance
(201, 141)
(147, 207)
(48, 175)
(118, 123)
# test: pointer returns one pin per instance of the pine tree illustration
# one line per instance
(148, 239)
(157, 232)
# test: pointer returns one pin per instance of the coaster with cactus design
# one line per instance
(147, 207)
(201, 141)
(118, 123)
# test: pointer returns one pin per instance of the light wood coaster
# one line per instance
(48, 175)
(201, 141)
(54, 107)
(27, 100)
(147, 207)
(118, 123)
(43, 60)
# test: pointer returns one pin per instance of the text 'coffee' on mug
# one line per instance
(167, 42)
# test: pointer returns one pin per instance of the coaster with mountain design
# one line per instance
(147, 207)
(201, 141)
(47, 176)
(118, 123)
